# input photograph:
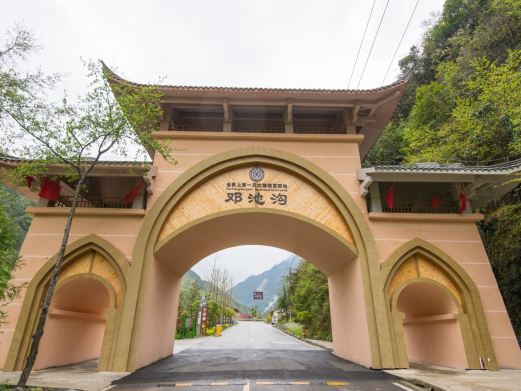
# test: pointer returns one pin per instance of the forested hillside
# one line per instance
(305, 299)
(463, 104)
(268, 282)
(14, 223)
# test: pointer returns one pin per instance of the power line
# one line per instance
(372, 44)
(401, 39)
(361, 42)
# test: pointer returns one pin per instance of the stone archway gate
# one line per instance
(300, 192)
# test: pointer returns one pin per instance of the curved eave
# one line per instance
(274, 93)
(380, 102)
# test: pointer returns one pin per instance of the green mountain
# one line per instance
(270, 283)
(190, 276)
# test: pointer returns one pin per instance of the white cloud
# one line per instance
(291, 43)
(243, 261)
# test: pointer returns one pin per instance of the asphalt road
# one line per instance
(255, 356)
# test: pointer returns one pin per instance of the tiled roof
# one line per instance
(506, 167)
(389, 87)
(14, 160)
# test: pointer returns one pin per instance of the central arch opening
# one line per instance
(253, 283)
(335, 257)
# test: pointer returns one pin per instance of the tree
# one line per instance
(72, 137)
(501, 231)
(305, 294)
(190, 299)
(17, 44)
(8, 261)
(220, 283)
(14, 207)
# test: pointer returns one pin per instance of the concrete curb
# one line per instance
(416, 384)
(317, 344)
(420, 384)
(302, 339)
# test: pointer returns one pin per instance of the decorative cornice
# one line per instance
(87, 211)
(441, 217)
(354, 138)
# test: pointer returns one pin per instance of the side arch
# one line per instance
(381, 351)
(109, 266)
(456, 282)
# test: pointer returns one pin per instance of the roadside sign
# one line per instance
(258, 295)
(204, 319)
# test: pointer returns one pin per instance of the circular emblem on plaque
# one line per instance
(256, 174)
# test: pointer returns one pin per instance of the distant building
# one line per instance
(276, 316)
(243, 316)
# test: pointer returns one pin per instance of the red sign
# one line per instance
(258, 295)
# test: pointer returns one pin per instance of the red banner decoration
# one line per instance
(463, 202)
(132, 194)
(389, 198)
(29, 180)
(49, 190)
(435, 203)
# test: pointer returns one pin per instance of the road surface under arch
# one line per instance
(255, 356)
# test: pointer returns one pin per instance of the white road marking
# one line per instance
(403, 387)
(246, 386)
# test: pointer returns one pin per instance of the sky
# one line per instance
(263, 43)
(268, 43)
(242, 261)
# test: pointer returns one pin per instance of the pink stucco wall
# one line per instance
(435, 343)
(459, 239)
(76, 324)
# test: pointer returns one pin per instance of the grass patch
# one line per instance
(293, 328)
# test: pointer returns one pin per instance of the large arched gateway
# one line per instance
(409, 278)
(317, 220)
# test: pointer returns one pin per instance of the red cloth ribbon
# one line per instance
(132, 194)
(463, 202)
(389, 198)
(49, 190)
(435, 203)
(29, 180)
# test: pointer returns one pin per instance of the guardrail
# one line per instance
(306, 130)
(107, 202)
(421, 207)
